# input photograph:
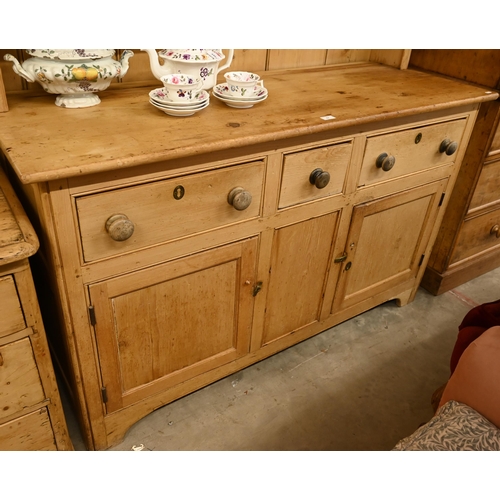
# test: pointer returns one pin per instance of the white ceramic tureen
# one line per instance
(75, 74)
(202, 64)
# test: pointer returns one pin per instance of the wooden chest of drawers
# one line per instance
(166, 281)
(31, 415)
(468, 243)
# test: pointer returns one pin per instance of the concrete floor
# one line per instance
(362, 385)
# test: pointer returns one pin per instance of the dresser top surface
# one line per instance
(17, 238)
(44, 142)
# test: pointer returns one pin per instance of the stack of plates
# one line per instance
(221, 92)
(200, 101)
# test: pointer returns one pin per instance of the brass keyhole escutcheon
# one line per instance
(348, 266)
(418, 138)
(179, 192)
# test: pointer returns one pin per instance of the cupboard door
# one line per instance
(161, 326)
(386, 242)
(299, 268)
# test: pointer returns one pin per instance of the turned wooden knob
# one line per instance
(385, 161)
(239, 198)
(495, 230)
(319, 178)
(119, 227)
(448, 146)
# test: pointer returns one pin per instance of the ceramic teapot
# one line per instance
(75, 74)
(198, 63)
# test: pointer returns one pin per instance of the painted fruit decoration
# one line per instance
(85, 73)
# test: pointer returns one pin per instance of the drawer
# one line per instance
(488, 186)
(160, 211)
(32, 432)
(12, 317)
(304, 173)
(20, 385)
(477, 234)
(411, 151)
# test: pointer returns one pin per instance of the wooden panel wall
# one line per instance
(482, 65)
(244, 59)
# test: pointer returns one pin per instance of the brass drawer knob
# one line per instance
(448, 146)
(119, 227)
(495, 230)
(239, 198)
(385, 162)
(319, 178)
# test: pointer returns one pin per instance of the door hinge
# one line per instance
(340, 259)
(257, 288)
(104, 393)
(92, 315)
(421, 260)
(441, 200)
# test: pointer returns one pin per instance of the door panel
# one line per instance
(161, 326)
(386, 241)
(299, 268)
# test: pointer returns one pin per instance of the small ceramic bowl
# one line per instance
(242, 83)
(180, 87)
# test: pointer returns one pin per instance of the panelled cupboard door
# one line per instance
(386, 241)
(300, 262)
(163, 325)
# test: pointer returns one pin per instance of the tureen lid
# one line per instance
(192, 55)
(70, 54)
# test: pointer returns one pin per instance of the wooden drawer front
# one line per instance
(488, 186)
(414, 150)
(476, 235)
(33, 432)
(20, 385)
(297, 168)
(12, 318)
(158, 216)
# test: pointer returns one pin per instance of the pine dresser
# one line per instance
(181, 250)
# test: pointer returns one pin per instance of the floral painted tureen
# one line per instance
(75, 74)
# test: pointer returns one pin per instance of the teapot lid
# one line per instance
(71, 54)
(192, 55)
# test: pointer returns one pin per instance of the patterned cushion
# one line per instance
(455, 427)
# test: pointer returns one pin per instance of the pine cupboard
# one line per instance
(182, 250)
(31, 413)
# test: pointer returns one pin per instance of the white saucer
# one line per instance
(234, 103)
(180, 111)
(158, 96)
(222, 90)
(197, 105)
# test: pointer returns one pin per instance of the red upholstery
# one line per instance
(474, 324)
(476, 378)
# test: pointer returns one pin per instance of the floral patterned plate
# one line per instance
(159, 97)
(222, 90)
(195, 106)
(180, 111)
(238, 103)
